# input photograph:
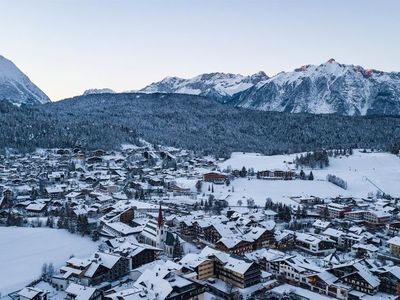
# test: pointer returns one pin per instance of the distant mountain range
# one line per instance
(219, 86)
(327, 88)
(16, 87)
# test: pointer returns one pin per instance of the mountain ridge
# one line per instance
(330, 87)
(16, 87)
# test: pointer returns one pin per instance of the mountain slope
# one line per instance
(16, 87)
(220, 86)
(107, 120)
(328, 88)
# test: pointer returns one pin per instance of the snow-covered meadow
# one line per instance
(383, 169)
(24, 250)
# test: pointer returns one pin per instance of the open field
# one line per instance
(24, 250)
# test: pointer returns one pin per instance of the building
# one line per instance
(215, 177)
(394, 244)
(315, 244)
(30, 293)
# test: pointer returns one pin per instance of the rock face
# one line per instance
(328, 88)
(219, 86)
(16, 87)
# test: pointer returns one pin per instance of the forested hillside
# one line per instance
(192, 122)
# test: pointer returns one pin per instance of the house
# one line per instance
(79, 292)
(321, 225)
(139, 254)
(97, 269)
(119, 229)
(233, 269)
(393, 228)
(394, 244)
(215, 177)
(358, 276)
(276, 175)
(234, 245)
(31, 293)
(315, 244)
(390, 280)
(204, 267)
(335, 210)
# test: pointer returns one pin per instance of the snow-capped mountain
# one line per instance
(327, 88)
(16, 87)
(220, 86)
(98, 91)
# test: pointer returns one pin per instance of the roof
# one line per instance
(80, 292)
(29, 292)
(394, 241)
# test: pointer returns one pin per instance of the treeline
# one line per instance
(313, 159)
(337, 181)
(185, 121)
(283, 211)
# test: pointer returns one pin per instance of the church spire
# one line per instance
(160, 219)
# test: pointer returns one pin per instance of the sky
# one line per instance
(68, 46)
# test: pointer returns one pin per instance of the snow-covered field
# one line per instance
(381, 168)
(277, 190)
(24, 250)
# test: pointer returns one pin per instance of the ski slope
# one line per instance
(381, 168)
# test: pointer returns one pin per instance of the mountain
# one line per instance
(220, 86)
(327, 88)
(16, 87)
(98, 91)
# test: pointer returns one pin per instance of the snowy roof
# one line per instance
(394, 241)
(321, 224)
(29, 292)
(80, 292)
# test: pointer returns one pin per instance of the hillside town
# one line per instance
(167, 225)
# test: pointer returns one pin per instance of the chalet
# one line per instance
(315, 244)
(36, 208)
(358, 276)
(31, 293)
(394, 244)
(76, 291)
(204, 267)
(393, 228)
(233, 269)
(390, 280)
(94, 160)
(234, 246)
(139, 254)
(54, 192)
(215, 177)
(276, 175)
(119, 229)
(335, 210)
(92, 271)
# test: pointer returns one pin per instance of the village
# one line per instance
(165, 223)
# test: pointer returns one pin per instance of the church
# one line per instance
(156, 233)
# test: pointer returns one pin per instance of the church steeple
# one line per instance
(160, 219)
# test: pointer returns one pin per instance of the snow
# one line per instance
(277, 190)
(381, 168)
(16, 86)
(224, 84)
(24, 250)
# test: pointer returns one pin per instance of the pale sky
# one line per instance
(68, 46)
